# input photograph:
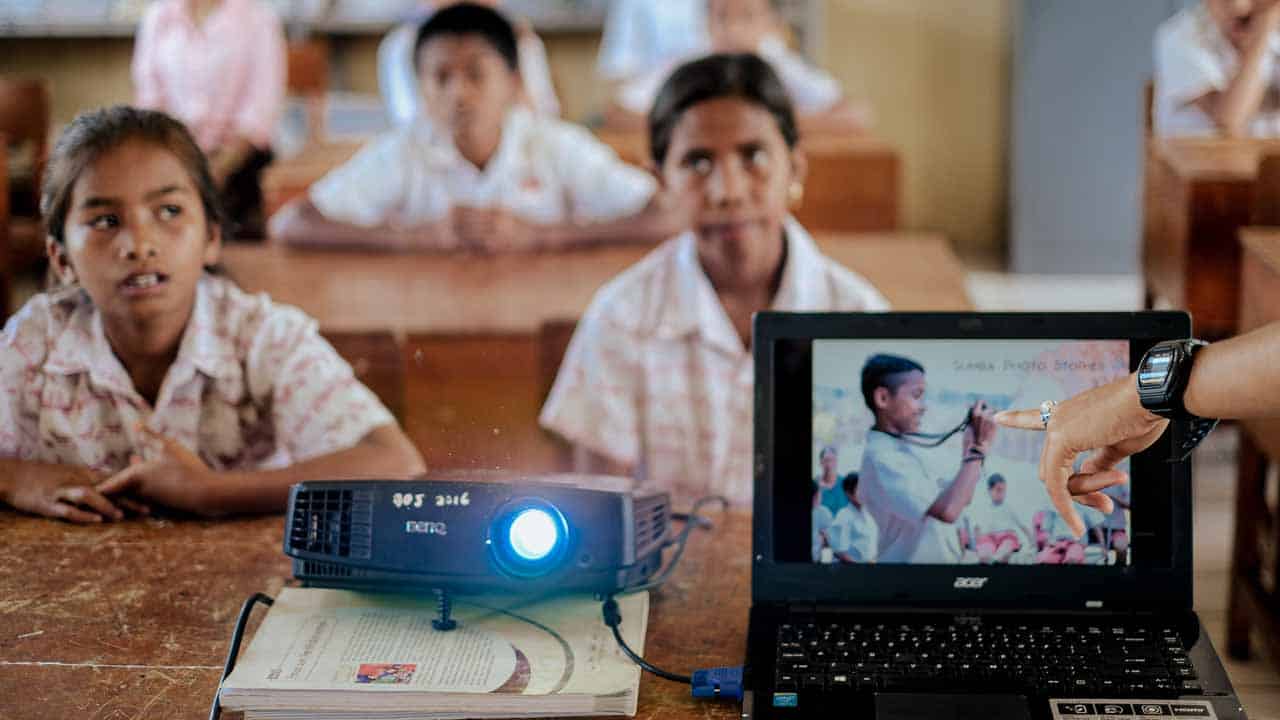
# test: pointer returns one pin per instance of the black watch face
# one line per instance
(1155, 368)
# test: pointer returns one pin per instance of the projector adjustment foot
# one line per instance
(445, 607)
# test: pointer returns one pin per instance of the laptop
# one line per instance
(919, 584)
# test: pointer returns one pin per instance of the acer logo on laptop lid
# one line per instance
(970, 583)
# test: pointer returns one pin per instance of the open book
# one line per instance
(335, 654)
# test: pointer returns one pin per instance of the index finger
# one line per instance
(123, 480)
(1021, 419)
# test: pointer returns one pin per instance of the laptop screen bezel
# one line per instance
(1136, 588)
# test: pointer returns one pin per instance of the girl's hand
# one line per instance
(178, 479)
(64, 491)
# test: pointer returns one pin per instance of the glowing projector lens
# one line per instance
(533, 534)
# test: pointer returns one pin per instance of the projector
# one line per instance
(477, 532)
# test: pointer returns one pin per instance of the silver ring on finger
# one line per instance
(1046, 412)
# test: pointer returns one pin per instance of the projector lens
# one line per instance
(533, 534)
(529, 538)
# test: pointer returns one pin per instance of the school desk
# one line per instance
(460, 293)
(1197, 194)
(133, 619)
(483, 336)
(852, 184)
(1255, 559)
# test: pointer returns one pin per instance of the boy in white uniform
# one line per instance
(486, 173)
(1216, 70)
(915, 513)
(853, 534)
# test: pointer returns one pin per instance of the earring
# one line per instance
(796, 193)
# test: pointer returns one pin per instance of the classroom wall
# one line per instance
(936, 73)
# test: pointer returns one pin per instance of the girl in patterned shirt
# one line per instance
(148, 380)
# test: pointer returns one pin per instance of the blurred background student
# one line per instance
(751, 26)
(400, 85)
(1216, 70)
(642, 34)
(219, 67)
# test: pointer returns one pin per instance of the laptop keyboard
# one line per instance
(1058, 660)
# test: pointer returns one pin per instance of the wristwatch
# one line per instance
(1162, 381)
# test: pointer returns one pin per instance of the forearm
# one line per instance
(384, 454)
(956, 497)
(300, 223)
(652, 224)
(1236, 106)
(1237, 378)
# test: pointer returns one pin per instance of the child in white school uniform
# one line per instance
(485, 173)
(146, 379)
(1216, 70)
(657, 381)
(398, 76)
(737, 26)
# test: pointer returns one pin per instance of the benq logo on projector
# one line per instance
(426, 527)
(970, 583)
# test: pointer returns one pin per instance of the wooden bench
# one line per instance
(1254, 603)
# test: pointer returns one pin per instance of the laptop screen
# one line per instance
(895, 475)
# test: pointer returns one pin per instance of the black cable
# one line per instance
(930, 440)
(612, 618)
(693, 520)
(236, 636)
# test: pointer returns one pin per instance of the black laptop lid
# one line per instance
(869, 540)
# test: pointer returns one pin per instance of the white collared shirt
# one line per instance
(657, 378)
(1193, 59)
(811, 89)
(253, 386)
(895, 487)
(854, 532)
(642, 34)
(544, 170)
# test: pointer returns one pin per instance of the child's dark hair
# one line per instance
(994, 480)
(850, 483)
(826, 450)
(94, 133)
(740, 75)
(471, 19)
(883, 371)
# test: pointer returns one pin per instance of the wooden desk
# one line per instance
(476, 375)
(133, 620)
(1197, 194)
(1255, 562)
(449, 293)
(852, 185)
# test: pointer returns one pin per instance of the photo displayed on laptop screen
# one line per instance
(881, 477)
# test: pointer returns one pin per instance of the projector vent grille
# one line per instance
(652, 515)
(338, 523)
(313, 569)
